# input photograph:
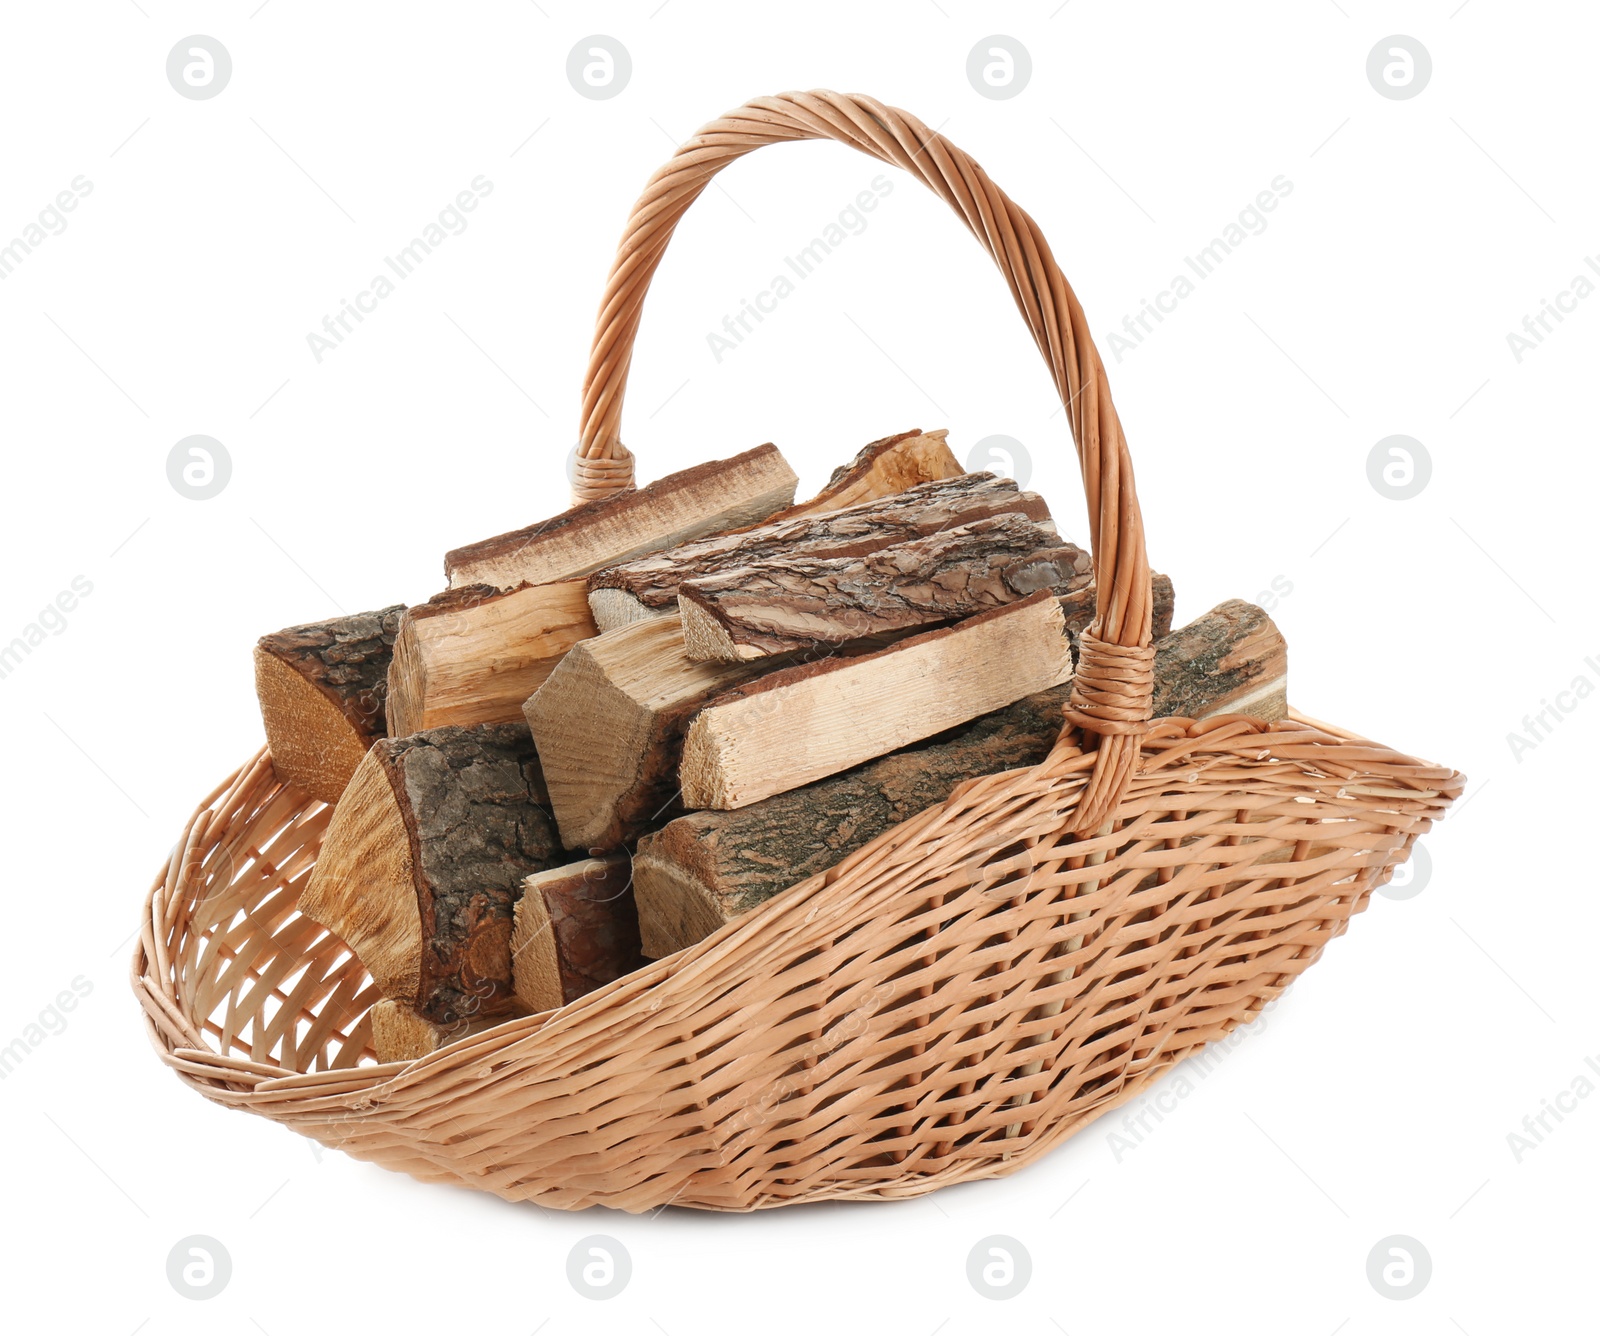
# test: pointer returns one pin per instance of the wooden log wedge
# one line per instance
(647, 586)
(786, 605)
(576, 929)
(801, 723)
(321, 688)
(473, 655)
(882, 468)
(709, 498)
(423, 862)
(608, 723)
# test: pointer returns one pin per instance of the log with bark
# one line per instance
(423, 861)
(608, 723)
(576, 929)
(709, 498)
(400, 1034)
(882, 468)
(706, 868)
(648, 586)
(804, 722)
(473, 655)
(790, 604)
(321, 690)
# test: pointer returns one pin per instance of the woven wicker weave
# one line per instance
(947, 1004)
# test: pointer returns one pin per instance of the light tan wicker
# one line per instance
(947, 1004)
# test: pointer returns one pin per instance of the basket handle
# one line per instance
(1111, 692)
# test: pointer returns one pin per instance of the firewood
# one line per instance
(321, 689)
(423, 860)
(882, 468)
(473, 655)
(576, 929)
(706, 868)
(399, 1034)
(608, 723)
(709, 498)
(815, 719)
(647, 586)
(790, 604)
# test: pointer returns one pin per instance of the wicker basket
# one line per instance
(947, 1004)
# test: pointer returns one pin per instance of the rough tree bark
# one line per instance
(634, 590)
(796, 603)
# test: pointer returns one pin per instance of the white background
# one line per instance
(1376, 1099)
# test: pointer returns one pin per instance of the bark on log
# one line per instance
(576, 929)
(711, 497)
(609, 725)
(786, 605)
(321, 690)
(882, 468)
(423, 861)
(473, 655)
(706, 868)
(635, 590)
(802, 723)
(400, 1034)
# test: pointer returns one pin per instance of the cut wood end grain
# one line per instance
(722, 494)
(608, 724)
(321, 688)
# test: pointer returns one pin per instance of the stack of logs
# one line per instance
(626, 726)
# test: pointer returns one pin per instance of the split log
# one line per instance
(399, 1034)
(647, 586)
(706, 868)
(423, 861)
(881, 469)
(576, 929)
(805, 722)
(786, 605)
(321, 689)
(473, 655)
(608, 723)
(722, 494)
